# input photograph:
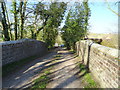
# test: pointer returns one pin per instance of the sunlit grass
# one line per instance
(109, 43)
(87, 79)
(108, 40)
(58, 56)
(42, 81)
(90, 82)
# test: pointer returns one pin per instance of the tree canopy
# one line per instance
(41, 21)
(76, 24)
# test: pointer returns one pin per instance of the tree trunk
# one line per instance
(15, 18)
(4, 23)
(11, 36)
(22, 15)
(68, 46)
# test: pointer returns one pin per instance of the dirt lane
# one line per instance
(24, 77)
(63, 73)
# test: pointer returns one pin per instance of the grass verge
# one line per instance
(8, 68)
(87, 79)
(58, 57)
(42, 81)
(72, 51)
(90, 82)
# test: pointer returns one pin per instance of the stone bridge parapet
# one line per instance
(20, 49)
(103, 62)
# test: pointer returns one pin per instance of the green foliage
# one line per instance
(90, 82)
(82, 66)
(40, 36)
(43, 20)
(50, 16)
(50, 32)
(76, 24)
(49, 35)
(3, 15)
(87, 79)
(42, 81)
(59, 39)
(36, 21)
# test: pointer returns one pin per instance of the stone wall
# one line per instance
(16, 50)
(102, 61)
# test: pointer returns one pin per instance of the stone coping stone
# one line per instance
(106, 50)
(18, 41)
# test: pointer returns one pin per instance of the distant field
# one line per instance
(109, 40)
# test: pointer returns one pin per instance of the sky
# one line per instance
(102, 19)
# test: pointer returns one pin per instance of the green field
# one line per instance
(109, 40)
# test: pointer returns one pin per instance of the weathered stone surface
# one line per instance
(103, 62)
(21, 49)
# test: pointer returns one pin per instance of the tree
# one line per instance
(86, 17)
(39, 18)
(76, 24)
(33, 20)
(4, 22)
(22, 10)
(50, 31)
(50, 16)
(108, 6)
(15, 12)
